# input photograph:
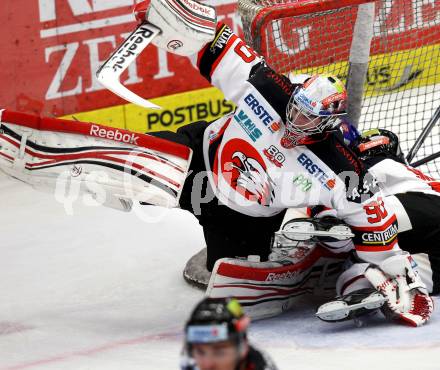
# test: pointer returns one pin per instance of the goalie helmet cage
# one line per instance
(386, 51)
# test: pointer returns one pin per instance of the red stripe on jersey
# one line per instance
(223, 53)
(375, 245)
(215, 167)
(435, 185)
(324, 209)
(221, 131)
(376, 228)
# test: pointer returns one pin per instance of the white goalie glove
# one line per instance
(179, 26)
(185, 25)
(406, 294)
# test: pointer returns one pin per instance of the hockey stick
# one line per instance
(425, 160)
(412, 153)
(109, 73)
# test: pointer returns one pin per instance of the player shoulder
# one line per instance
(332, 151)
(385, 164)
(259, 360)
(274, 87)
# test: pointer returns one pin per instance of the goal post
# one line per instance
(387, 52)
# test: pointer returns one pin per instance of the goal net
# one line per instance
(387, 52)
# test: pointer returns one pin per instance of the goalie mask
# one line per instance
(313, 108)
(378, 142)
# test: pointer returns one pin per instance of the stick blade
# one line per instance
(108, 79)
(109, 73)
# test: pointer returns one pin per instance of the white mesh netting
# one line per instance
(402, 89)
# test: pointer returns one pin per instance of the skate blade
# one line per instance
(341, 310)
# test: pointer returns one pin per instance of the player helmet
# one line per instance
(217, 320)
(373, 143)
(313, 108)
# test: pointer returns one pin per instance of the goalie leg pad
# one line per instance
(58, 155)
(266, 289)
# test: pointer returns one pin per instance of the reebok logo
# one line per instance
(272, 276)
(199, 8)
(142, 34)
(116, 135)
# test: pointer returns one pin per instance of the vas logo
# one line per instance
(247, 125)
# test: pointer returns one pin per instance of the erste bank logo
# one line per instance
(262, 113)
(316, 171)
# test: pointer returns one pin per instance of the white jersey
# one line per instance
(253, 174)
(396, 178)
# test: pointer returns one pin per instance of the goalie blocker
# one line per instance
(112, 165)
(181, 27)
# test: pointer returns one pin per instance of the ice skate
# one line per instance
(351, 306)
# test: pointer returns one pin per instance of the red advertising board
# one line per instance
(303, 36)
(51, 49)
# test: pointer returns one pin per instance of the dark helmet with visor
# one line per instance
(217, 320)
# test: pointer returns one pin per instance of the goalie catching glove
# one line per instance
(186, 25)
(406, 294)
(180, 26)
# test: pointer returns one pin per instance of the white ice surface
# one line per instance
(102, 290)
